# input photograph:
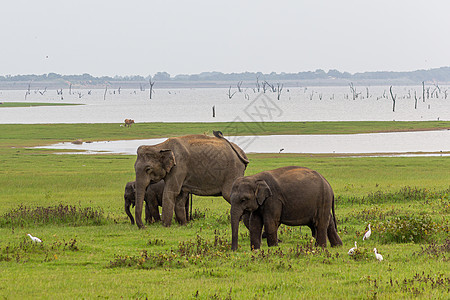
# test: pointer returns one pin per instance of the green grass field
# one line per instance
(406, 200)
(22, 135)
(32, 104)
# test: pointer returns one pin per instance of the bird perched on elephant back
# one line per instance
(153, 199)
(290, 195)
(197, 164)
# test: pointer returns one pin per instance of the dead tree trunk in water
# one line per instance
(279, 89)
(354, 93)
(423, 91)
(106, 89)
(28, 91)
(230, 94)
(257, 84)
(272, 87)
(264, 86)
(151, 87)
(415, 98)
(393, 99)
(239, 84)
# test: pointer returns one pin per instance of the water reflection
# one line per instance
(379, 143)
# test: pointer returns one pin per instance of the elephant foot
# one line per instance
(166, 225)
(264, 236)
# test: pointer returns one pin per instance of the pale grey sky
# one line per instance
(184, 37)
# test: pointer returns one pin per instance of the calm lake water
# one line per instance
(196, 105)
(397, 142)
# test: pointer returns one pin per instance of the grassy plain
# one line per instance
(114, 259)
(31, 104)
(41, 134)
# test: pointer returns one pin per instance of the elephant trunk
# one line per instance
(235, 218)
(141, 186)
(128, 212)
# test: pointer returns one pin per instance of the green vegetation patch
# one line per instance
(27, 250)
(58, 214)
(17, 134)
(82, 258)
(32, 104)
(405, 194)
(410, 228)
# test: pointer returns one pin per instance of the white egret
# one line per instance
(35, 239)
(377, 255)
(352, 250)
(367, 234)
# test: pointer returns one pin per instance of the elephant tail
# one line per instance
(236, 149)
(334, 215)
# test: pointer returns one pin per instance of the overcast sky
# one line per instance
(186, 37)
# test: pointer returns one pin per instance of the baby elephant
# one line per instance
(290, 195)
(153, 199)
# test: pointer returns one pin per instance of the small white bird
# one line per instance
(377, 255)
(352, 250)
(367, 234)
(35, 239)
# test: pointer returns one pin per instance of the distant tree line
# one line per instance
(438, 74)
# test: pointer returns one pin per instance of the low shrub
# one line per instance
(27, 249)
(410, 228)
(405, 194)
(188, 252)
(59, 214)
(362, 253)
(437, 250)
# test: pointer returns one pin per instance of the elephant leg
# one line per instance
(256, 225)
(171, 190)
(154, 211)
(321, 233)
(271, 230)
(148, 215)
(313, 230)
(333, 236)
(180, 208)
(186, 206)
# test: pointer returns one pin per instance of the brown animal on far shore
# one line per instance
(128, 122)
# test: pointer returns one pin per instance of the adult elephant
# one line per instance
(196, 164)
(289, 195)
(153, 200)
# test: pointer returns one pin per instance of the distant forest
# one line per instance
(334, 77)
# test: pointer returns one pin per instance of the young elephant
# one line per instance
(290, 195)
(153, 199)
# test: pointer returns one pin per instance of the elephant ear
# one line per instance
(167, 159)
(262, 191)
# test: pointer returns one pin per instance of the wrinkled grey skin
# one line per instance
(153, 199)
(290, 195)
(197, 164)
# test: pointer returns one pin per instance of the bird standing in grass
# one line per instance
(352, 250)
(377, 255)
(34, 239)
(367, 234)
